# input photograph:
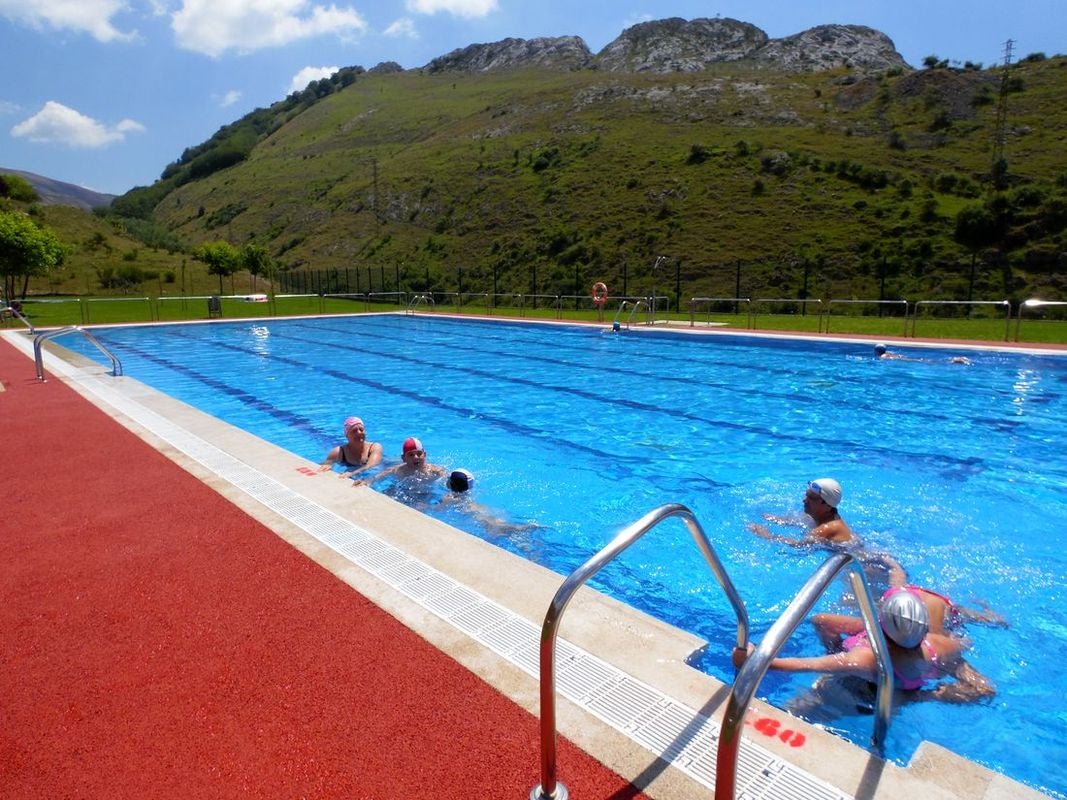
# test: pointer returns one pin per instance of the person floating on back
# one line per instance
(459, 483)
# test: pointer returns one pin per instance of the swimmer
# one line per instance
(459, 483)
(355, 451)
(919, 657)
(415, 467)
(944, 614)
(881, 352)
(820, 507)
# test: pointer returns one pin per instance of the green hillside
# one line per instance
(579, 176)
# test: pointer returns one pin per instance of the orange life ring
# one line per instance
(600, 293)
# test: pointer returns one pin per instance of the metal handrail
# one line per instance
(39, 339)
(418, 300)
(636, 307)
(868, 302)
(1033, 302)
(735, 300)
(18, 315)
(1005, 304)
(549, 786)
(803, 302)
(755, 667)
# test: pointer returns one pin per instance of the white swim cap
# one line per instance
(828, 489)
(904, 618)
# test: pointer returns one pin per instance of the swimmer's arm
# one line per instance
(858, 662)
(371, 481)
(831, 627)
(764, 531)
(796, 520)
(985, 617)
(970, 686)
(330, 460)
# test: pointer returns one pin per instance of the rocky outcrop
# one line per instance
(678, 45)
(385, 68)
(830, 46)
(562, 53)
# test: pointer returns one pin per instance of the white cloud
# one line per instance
(57, 124)
(403, 27)
(229, 98)
(459, 8)
(85, 16)
(214, 26)
(9, 108)
(307, 75)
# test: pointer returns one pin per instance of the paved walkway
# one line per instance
(157, 642)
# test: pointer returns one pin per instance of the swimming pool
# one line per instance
(957, 470)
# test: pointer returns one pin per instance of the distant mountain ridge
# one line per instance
(58, 193)
(679, 45)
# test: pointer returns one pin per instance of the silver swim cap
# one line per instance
(904, 619)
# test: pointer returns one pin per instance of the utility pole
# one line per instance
(999, 167)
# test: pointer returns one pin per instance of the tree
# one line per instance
(18, 188)
(222, 259)
(26, 250)
(256, 260)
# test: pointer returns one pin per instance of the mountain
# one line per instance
(818, 163)
(679, 45)
(57, 193)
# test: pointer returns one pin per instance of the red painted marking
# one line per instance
(773, 728)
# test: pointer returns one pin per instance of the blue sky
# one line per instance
(106, 93)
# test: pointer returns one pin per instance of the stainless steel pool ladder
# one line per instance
(748, 676)
(755, 667)
(14, 312)
(420, 299)
(549, 786)
(635, 307)
(39, 339)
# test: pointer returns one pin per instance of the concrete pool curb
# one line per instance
(653, 653)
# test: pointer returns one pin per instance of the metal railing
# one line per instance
(904, 303)
(420, 300)
(39, 339)
(635, 306)
(696, 301)
(755, 667)
(789, 301)
(550, 787)
(1034, 303)
(1005, 304)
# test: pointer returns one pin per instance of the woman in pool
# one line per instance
(919, 657)
(355, 452)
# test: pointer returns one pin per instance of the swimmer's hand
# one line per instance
(327, 467)
(740, 655)
(760, 530)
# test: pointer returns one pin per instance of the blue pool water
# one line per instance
(959, 471)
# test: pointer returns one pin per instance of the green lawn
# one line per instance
(988, 324)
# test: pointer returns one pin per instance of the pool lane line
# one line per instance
(732, 388)
(805, 343)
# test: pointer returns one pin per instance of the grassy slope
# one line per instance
(454, 159)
